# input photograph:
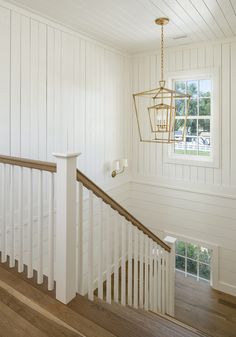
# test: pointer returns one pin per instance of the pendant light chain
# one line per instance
(162, 52)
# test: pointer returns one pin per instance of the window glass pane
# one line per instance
(192, 88)
(204, 129)
(180, 263)
(191, 127)
(205, 88)
(204, 271)
(193, 109)
(180, 86)
(179, 125)
(192, 251)
(198, 131)
(180, 248)
(192, 146)
(192, 267)
(180, 107)
(205, 255)
(204, 107)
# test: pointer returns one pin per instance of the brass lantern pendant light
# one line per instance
(156, 109)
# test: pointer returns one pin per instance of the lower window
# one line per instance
(193, 260)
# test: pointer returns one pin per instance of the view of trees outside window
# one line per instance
(193, 260)
(198, 128)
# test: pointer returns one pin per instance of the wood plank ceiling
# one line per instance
(129, 24)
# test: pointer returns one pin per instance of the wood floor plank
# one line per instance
(60, 311)
(13, 325)
(204, 308)
(37, 320)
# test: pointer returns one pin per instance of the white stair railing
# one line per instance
(27, 216)
(121, 259)
(55, 222)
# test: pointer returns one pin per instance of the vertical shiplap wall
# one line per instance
(148, 158)
(60, 92)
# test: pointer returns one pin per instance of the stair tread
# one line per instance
(63, 313)
(138, 316)
(12, 324)
(131, 322)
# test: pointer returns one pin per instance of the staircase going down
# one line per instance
(74, 262)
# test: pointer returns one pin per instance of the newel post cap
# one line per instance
(170, 240)
(66, 154)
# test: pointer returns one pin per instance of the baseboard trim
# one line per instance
(227, 288)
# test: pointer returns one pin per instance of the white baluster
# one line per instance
(40, 228)
(11, 220)
(130, 266)
(155, 285)
(21, 224)
(51, 234)
(135, 231)
(141, 245)
(155, 281)
(80, 266)
(159, 271)
(90, 248)
(123, 263)
(163, 282)
(167, 282)
(116, 259)
(171, 275)
(3, 197)
(100, 250)
(146, 294)
(108, 254)
(30, 225)
(150, 274)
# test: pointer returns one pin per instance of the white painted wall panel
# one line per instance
(5, 66)
(146, 75)
(60, 92)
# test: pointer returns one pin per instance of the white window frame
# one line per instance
(214, 282)
(214, 159)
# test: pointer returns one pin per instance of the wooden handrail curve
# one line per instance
(90, 185)
(29, 163)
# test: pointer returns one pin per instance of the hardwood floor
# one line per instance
(29, 310)
(198, 305)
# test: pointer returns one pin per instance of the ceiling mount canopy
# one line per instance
(156, 108)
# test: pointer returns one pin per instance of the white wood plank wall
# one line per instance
(146, 74)
(60, 92)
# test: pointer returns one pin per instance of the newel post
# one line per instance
(65, 226)
(170, 241)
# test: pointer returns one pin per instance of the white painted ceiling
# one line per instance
(129, 24)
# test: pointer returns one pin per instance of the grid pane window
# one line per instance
(198, 126)
(193, 260)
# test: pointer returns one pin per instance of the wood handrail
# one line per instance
(29, 163)
(90, 185)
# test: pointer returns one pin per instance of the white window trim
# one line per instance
(214, 159)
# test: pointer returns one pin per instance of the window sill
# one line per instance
(192, 161)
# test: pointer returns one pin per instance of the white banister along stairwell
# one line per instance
(56, 222)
